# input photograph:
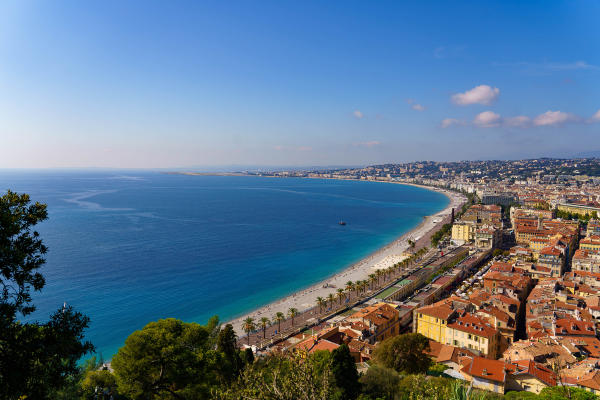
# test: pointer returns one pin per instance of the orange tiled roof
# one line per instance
(489, 369)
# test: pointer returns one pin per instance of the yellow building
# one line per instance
(577, 209)
(590, 243)
(445, 325)
(431, 321)
(463, 233)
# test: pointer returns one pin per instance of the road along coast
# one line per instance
(306, 299)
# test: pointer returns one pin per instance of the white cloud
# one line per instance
(595, 118)
(438, 52)
(554, 66)
(419, 107)
(555, 118)
(357, 114)
(487, 119)
(410, 101)
(448, 122)
(366, 144)
(278, 147)
(516, 122)
(304, 149)
(482, 94)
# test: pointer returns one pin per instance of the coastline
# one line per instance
(305, 299)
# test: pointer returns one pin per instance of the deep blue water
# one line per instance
(127, 248)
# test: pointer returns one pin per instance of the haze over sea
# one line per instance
(130, 247)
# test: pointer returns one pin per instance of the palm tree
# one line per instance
(372, 279)
(264, 323)
(357, 287)
(278, 319)
(349, 287)
(390, 271)
(363, 285)
(248, 327)
(341, 294)
(321, 302)
(330, 299)
(378, 273)
(293, 312)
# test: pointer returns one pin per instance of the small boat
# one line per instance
(342, 223)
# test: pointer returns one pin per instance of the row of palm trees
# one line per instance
(250, 324)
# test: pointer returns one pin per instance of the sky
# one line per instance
(149, 84)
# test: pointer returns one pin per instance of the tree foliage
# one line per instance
(380, 382)
(168, 359)
(404, 353)
(282, 378)
(227, 345)
(344, 373)
(35, 359)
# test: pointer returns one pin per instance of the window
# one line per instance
(420, 315)
(526, 387)
(499, 322)
(462, 334)
(470, 336)
(437, 320)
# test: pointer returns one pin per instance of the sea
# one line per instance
(130, 247)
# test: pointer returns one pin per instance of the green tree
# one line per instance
(559, 393)
(404, 353)
(282, 378)
(341, 295)
(331, 299)
(372, 280)
(521, 396)
(214, 328)
(278, 319)
(344, 373)
(496, 253)
(380, 382)
(248, 357)
(228, 347)
(248, 327)
(321, 302)
(264, 324)
(293, 313)
(101, 383)
(438, 368)
(167, 359)
(35, 359)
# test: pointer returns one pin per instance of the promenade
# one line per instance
(314, 315)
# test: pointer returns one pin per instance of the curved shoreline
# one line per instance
(305, 298)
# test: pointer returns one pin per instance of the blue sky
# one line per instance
(171, 84)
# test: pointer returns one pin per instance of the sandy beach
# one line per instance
(383, 258)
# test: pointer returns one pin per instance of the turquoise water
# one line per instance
(127, 248)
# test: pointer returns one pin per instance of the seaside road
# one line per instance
(273, 334)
